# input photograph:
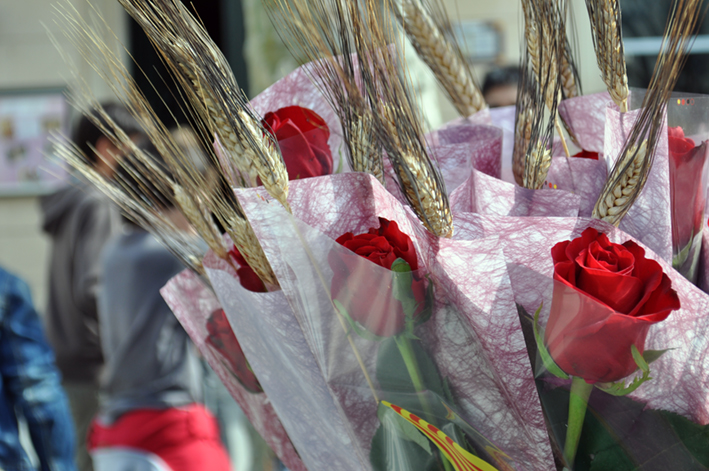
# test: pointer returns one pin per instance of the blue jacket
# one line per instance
(30, 385)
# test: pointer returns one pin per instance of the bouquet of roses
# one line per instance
(389, 321)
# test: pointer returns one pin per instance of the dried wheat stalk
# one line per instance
(433, 38)
(523, 135)
(617, 201)
(209, 84)
(193, 193)
(607, 32)
(549, 54)
(535, 175)
(630, 172)
(396, 119)
(531, 156)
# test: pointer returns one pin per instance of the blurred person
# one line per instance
(500, 86)
(79, 220)
(151, 384)
(30, 386)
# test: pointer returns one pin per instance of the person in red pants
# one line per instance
(151, 383)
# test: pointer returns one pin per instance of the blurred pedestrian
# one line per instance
(79, 220)
(500, 86)
(30, 386)
(152, 382)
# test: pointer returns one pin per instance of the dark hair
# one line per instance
(134, 173)
(87, 134)
(500, 76)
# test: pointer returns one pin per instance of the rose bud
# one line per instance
(362, 291)
(686, 172)
(606, 297)
(247, 276)
(302, 136)
(223, 340)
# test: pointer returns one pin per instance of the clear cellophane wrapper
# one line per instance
(193, 303)
(490, 379)
(278, 353)
(680, 377)
(688, 173)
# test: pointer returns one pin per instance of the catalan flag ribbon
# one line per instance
(461, 459)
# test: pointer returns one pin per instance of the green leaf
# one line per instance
(549, 364)
(390, 452)
(403, 279)
(354, 325)
(619, 388)
(679, 259)
(652, 355)
(340, 161)
(404, 428)
(639, 360)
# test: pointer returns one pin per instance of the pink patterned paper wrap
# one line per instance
(459, 148)
(586, 116)
(275, 347)
(583, 177)
(703, 276)
(193, 303)
(681, 376)
(296, 88)
(483, 194)
(649, 219)
(501, 404)
(504, 118)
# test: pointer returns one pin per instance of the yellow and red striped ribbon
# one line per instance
(459, 457)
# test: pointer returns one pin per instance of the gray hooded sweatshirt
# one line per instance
(79, 220)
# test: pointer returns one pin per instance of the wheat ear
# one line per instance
(607, 32)
(442, 56)
(616, 202)
(210, 86)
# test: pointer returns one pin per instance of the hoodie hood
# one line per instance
(57, 205)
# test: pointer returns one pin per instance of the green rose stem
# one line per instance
(407, 353)
(578, 402)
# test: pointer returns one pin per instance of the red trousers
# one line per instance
(186, 438)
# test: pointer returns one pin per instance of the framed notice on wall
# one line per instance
(28, 164)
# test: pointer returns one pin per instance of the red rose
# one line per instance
(686, 171)
(247, 276)
(586, 154)
(302, 136)
(367, 294)
(606, 297)
(222, 338)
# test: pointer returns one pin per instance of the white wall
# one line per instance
(28, 59)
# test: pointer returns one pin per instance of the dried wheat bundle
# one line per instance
(607, 34)
(396, 121)
(195, 192)
(147, 211)
(548, 48)
(630, 172)
(319, 33)
(430, 31)
(570, 80)
(206, 78)
(534, 130)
